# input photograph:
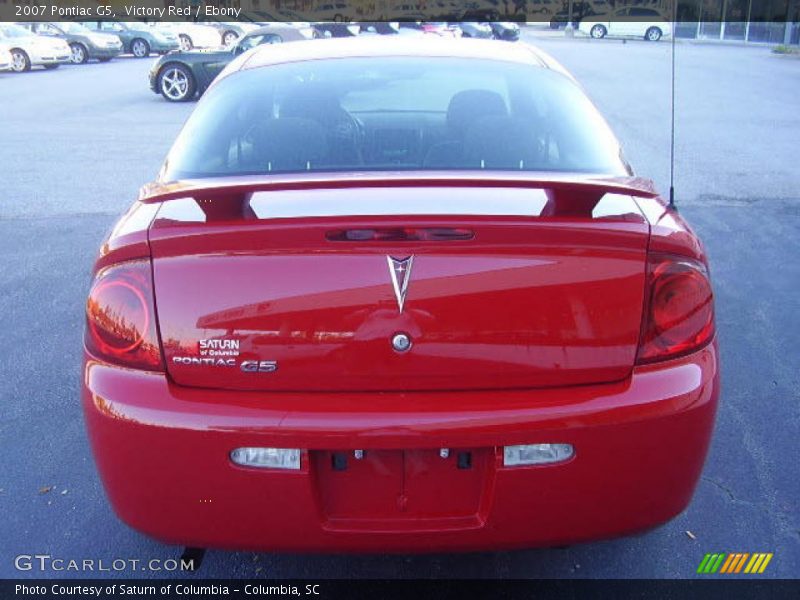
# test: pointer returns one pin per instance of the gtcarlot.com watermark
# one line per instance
(45, 563)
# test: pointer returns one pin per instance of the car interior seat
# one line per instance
(318, 102)
(464, 110)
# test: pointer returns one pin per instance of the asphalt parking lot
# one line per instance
(76, 143)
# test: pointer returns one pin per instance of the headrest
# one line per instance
(312, 100)
(468, 106)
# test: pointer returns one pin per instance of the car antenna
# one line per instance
(672, 116)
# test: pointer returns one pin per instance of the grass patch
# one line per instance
(783, 49)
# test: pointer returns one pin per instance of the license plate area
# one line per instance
(392, 488)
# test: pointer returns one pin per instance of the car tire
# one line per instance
(653, 34)
(79, 53)
(176, 83)
(186, 42)
(598, 32)
(51, 67)
(229, 38)
(338, 18)
(20, 61)
(140, 48)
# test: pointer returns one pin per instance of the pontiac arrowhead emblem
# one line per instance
(400, 270)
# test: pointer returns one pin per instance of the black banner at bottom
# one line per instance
(200, 589)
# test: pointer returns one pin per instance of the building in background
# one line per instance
(766, 21)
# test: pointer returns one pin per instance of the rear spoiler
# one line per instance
(229, 197)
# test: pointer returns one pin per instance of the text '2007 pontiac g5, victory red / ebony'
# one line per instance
(387, 296)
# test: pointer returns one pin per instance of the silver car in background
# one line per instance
(5, 58)
(30, 50)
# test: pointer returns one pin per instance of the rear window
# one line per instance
(362, 114)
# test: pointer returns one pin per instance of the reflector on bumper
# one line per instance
(536, 454)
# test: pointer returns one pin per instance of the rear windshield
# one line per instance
(362, 114)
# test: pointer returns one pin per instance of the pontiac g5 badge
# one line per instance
(400, 270)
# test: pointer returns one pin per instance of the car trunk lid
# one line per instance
(306, 289)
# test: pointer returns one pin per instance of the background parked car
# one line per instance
(475, 30)
(5, 58)
(29, 50)
(333, 29)
(193, 35)
(505, 30)
(379, 27)
(630, 21)
(138, 39)
(440, 28)
(263, 18)
(230, 31)
(179, 76)
(84, 43)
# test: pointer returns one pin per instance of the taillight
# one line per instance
(679, 312)
(120, 317)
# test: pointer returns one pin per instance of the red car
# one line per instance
(398, 297)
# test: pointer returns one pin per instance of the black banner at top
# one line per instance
(555, 12)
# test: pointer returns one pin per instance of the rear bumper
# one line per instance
(162, 452)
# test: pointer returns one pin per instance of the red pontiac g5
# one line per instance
(389, 295)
